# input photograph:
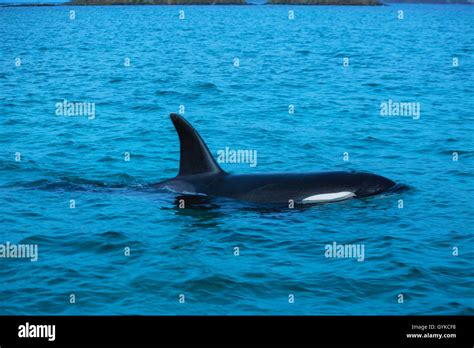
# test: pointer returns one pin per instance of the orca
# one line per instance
(200, 175)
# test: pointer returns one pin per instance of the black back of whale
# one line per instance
(200, 174)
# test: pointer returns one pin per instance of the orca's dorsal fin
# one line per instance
(195, 157)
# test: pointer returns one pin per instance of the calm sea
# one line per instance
(236, 72)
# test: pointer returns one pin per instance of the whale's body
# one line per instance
(199, 174)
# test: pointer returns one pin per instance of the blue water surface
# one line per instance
(191, 62)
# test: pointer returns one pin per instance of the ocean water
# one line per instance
(418, 243)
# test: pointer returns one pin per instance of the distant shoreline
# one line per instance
(234, 3)
(202, 2)
(327, 2)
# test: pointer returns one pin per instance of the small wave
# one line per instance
(371, 84)
(216, 283)
(10, 165)
(37, 239)
(166, 93)
(303, 52)
(308, 146)
(116, 80)
(106, 159)
(375, 140)
(112, 235)
(11, 122)
(460, 153)
(143, 107)
(207, 86)
(99, 183)
(72, 183)
(399, 188)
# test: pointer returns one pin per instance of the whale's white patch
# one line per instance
(329, 197)
(189, 193)
(193, 193)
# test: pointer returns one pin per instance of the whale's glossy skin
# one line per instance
(205, 177)
(279, 188)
